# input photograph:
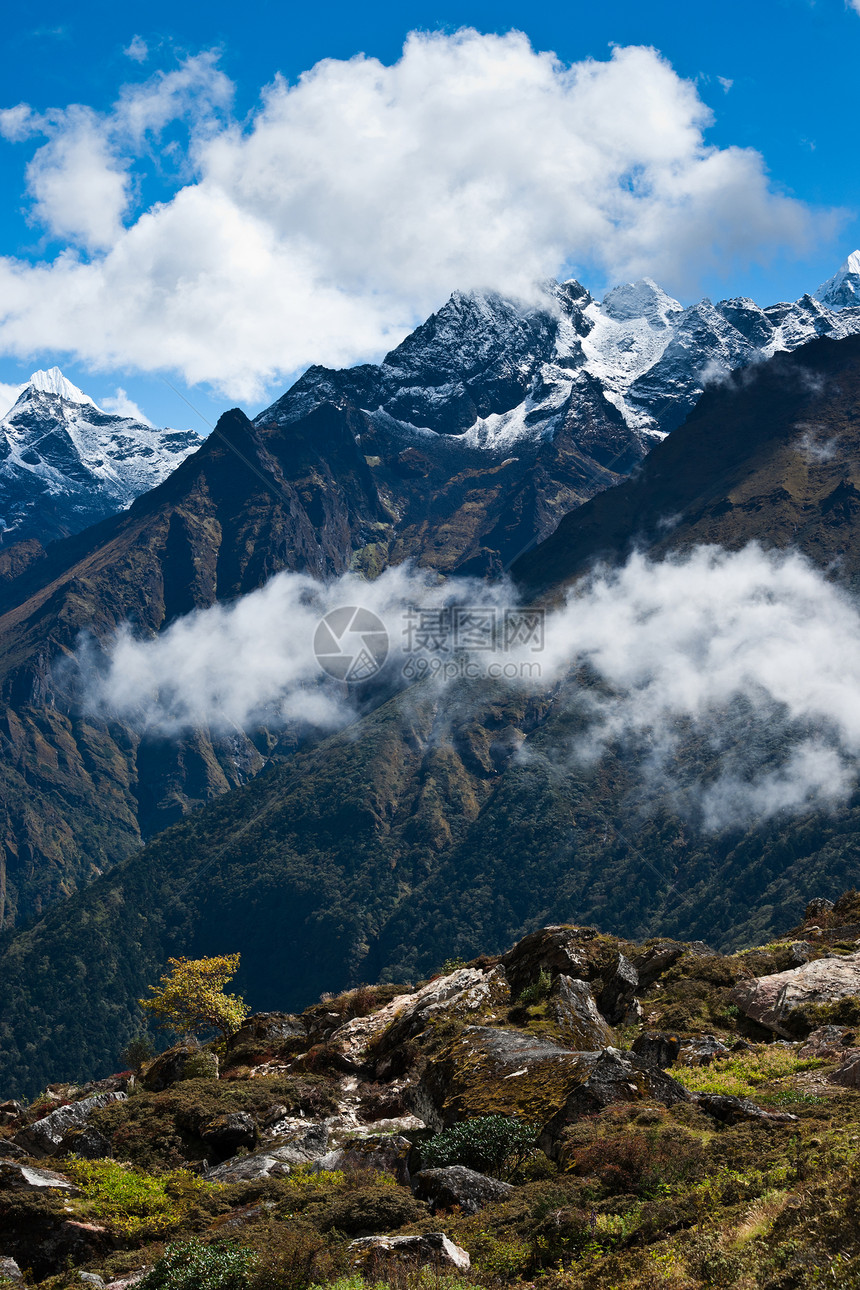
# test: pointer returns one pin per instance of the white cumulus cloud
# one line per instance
(8, 396)
(352, 202)
(79, 186)
(123, 406)
(137, 50)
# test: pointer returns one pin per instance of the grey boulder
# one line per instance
(16, 1176)
(572, 1006)
(85, 1142)
(769, 999)
(455, 1186)
(737, 1110)
(43, 1137)
(656, 1048)
(386, 1153)
(274, 1161)
(604, 1079)
(433, 1248)
(227, 1134)
(848, 1074)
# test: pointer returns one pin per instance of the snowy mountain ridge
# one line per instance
(65, 463)
(495, 373)
(488, 374)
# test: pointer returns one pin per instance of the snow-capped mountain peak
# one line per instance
(53, 382)
(66, 463)
(642, 299)
(843, 289)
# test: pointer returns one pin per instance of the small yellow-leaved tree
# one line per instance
(191, 996)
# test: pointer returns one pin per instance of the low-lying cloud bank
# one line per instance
(755, 656)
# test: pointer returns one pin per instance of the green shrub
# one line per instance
(202, 1065)
(490, 1144)
(536, 991)
(644, 1164)
(809, 1016)
(740, 1074)
(289, 1261)
(134, 1203)
(192, 1265)
(364, 1210)
(137, 1053)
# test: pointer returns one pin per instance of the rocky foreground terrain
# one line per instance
(580, 1111)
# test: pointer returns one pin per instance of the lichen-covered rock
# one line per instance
(619, 989)
(126, 1282)
(660, 955)
(11, 1111)
(769, 999)
(604, 1079)
(489, 1071)
(264, 1035)
(50, 1241)
(455, 1186)
(657, 1049)
(226, 1134)
(431, 1248)
(276, 1160)
(468, 990)
(560, 951)
(828, 1041)
(848, 1074)
(251, 1168)
(10, 1270)
(86, 1142)
(43, 1137)
(573, 1008)
(386, 1153)
(702, 1050)
(10, 1150)
(17, 1176)
(816, 907)
(655, 960)
(182, 1061)
(736, 1110)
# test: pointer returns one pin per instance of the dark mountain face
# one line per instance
(448, 824)
(770, 456)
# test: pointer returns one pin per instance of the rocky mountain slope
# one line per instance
(465, 447)
(582, 1108)
(65, 464)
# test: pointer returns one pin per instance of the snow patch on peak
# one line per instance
(642, 299)
(53, 382)
(843, 289)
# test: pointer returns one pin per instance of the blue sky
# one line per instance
(779, 77)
